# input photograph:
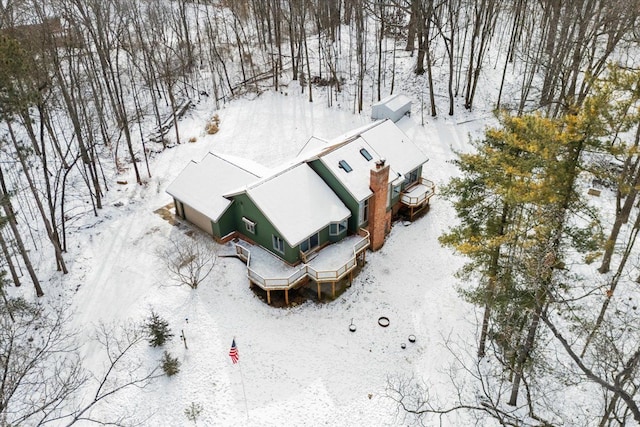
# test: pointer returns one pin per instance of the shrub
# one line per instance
(170, 365)
(158, 330)
(213, 125)
(193, 411)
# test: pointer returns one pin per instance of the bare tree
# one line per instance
(446, 23)
(39, 364)
(123, 369)
(479, 389)
(42, 379)
(620, 377)
(188, 261)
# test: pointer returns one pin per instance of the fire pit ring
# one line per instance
(383, 321)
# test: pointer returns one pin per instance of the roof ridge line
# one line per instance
(230, 162)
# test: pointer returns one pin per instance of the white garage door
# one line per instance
(199, 220)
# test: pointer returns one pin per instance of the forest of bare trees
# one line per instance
(88, 87)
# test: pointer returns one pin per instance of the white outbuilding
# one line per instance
(393, 107)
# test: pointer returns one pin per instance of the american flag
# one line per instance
(233, 353)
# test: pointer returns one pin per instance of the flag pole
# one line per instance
(246, 406)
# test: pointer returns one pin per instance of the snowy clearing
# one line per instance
(299, 365)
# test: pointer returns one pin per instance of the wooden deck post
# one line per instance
(268, 297)
(351, 278)
(286, 296)
(319, 291)
(333, 289)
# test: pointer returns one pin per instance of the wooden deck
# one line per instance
(321, 269)
(417, 197)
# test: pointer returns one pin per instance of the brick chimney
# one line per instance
(379, 218)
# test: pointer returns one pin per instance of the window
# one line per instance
(366, 154)
(311, 243)
(278, 244)
(364, 212)
(249, 225)
(344, 165)
(396, 191)
(412, 177)
(337, 228)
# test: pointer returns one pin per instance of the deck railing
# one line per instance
(277, 283)
(337, 274)
(421, 198)
(305, 270)
(243, 253)
(362, 243)
(331, 275)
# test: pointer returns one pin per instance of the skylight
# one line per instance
(344, 165)
(366, 154)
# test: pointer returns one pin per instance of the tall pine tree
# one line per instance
(515, 198)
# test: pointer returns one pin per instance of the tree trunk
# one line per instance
(510, 50)
(494, 268)
(412, 29)
(51, 233)
(9, 258)
(11, 216)
(613, 284)
(631, 169)
(526, 348)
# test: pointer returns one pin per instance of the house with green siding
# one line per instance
(333, 189)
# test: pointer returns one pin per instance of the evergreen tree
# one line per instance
(157, 329)
(170, 365)
(514, 199)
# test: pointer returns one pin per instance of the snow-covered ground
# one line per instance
(300, 365)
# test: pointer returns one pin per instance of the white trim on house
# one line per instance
(363, 212)
(249, 225)
(337, 228)
(278, 243)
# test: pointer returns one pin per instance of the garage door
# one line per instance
(196, 218)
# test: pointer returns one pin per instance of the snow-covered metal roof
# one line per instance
(202, 185)
(384, 140)
(357, 180)
(298, 203)
(393, 107)
(390, 142)
(313, 146)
